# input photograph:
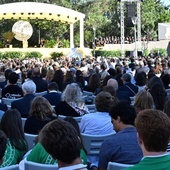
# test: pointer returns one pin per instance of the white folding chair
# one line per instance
(23, 122)
(87, 93)
(91, 108)
(117, 166)
(40, 93)
(92, 143)
(8, 101)
(78, 119)
(30, 138)
(12, 167)
(168, 92)
(28, 165)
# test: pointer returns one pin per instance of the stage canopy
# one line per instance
(33, 10)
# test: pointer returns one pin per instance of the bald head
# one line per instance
(113, 83)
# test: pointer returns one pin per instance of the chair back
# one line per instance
(40, 93)
(28, 165)
(8, 101)
(91, 108)
(30, 138)
(12, 167)
(117, 166)
(168, 92)
(78, 119)
(89, 97)
(23, 122)
(92, 143)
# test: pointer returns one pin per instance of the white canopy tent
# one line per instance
(164, 31)
(34, 10)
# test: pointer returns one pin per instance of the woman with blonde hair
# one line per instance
(40, 114)
(143, 100)
(72, 103)
(49, 76)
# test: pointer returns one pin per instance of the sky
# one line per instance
(166, 2)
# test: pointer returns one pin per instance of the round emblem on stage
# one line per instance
(22, 30)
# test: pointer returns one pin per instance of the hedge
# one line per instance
(160, 51)
(55, 55)
(12, 55)
(105, 53)
(33, 54)
(15, 54)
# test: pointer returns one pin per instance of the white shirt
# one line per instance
(98, 123)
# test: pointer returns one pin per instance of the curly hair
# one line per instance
(103, 101)
(72, 93)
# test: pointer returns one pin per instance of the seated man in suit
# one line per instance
(53, 96)
(12, 90)
(123, 146)
(41, 85)
(23, 105)
(128, 86)
(153, 128)
(61, 141)
(3, 145)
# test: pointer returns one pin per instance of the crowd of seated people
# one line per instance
(100, 41)
(110, 81)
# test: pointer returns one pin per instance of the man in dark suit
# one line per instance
(128, 86)
(41, 85)
(23, 105)
(53, 96)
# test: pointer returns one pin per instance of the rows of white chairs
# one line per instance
(28, 165)
(117, 166)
